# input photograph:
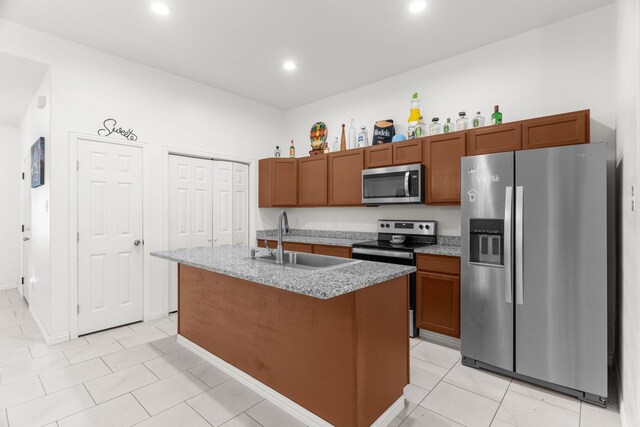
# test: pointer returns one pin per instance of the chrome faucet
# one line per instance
(279, 249)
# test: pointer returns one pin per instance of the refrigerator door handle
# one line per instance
(508, 202)
(518, 249)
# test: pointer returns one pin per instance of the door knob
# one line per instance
(25, 239)
(138, 242)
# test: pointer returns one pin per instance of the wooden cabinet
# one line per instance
(312, 181)
(408, 152)
(278, 182)
(379, 156)
(495, 139)
(297, 247)
(438, 294)
(272, 243)
(339, 251)
(442, 154)
(345, 178)
(552, 131)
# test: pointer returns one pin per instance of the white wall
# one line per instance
(562, 67)
(628, 169)
(10, 221)
(88, 86)
(36, 123)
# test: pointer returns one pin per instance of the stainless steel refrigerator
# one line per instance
(534, 266)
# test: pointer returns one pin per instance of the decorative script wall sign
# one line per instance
(110, 126)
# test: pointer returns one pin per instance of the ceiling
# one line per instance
(19, 81)
(240, 45)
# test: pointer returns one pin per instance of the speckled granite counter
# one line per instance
(440, 250)
(234, 261)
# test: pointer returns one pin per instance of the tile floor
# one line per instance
(138, 375)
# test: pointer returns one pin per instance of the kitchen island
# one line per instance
(330, 346)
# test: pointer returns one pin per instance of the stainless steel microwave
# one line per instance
(394, 185)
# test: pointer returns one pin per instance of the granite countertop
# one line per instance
(234, 261)
(439, 250)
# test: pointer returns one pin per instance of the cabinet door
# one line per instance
(312, 181)
(442, 155)
(438, 303)
(345, 178)
(297, 247)
(551, 131)
(406, 153)
(379, 155)
(272, 243)
(495, 139)
(284, 179)
(339, 251)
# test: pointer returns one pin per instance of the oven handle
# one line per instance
(406, 184)
(392, 254)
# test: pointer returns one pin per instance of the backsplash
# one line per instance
(349, 235)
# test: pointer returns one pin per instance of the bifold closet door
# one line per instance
(240, 204)
(190, 210)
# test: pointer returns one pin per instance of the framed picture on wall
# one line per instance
(37, 163)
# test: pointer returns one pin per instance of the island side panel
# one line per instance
(382, 347)
(300, 346)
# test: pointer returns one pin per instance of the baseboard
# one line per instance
(49, 339)
(444, 340)
(6, 287)
(304, 415)
(155, 316)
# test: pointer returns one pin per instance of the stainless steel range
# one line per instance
(396, 244)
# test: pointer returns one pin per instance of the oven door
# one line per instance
(398, 184)
(394, 257)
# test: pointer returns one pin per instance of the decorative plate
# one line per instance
(318, 135)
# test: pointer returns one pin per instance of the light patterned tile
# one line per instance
(73, 375)
(92, 350)
(209, 374)
(497, 422)
(12, 331)
(29, 327)
(242, 420)
(461, 406)
(179, 415)
(121, 411)
(50, 408)
(131, 356)
(149, 325)
(414, 342)
(3, 419)
(109, 334)
(173, 317)
(173, 363)
(525, 411)
(16, 355)
(594, 416)
(413, 395)
(43, 349)
(144, 336)
(436, 354)
(424, 374)
(546, 395)
(168, 392)
(9, 343)
(488, 384)
(20, 392)
(224, 402)
(422, 417)
(30, 368)
(121, 382)
(269, 415)
(167, 345)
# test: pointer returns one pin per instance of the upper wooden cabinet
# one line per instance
(442, 155)
(561, 129)
(345, 178)
(495, 139)
(278, 182)
(407, 152)
(379, 156)
(312, 181)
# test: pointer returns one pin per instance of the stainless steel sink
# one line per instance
(309, 261)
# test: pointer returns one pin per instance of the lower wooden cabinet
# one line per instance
(438, 294)
(297, 247)
(339, 251)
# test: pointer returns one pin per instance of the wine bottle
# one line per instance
(343, 140)
(496, 117)
(292, 150)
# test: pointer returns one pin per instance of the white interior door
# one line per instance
(222, 203)
(240, 204)
(110, 270)
(26, 227)
(190, 210)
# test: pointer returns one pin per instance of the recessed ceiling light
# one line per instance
(417, 6)
(161, 9)
(289, 65)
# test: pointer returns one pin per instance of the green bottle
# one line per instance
(448, 126)
(496, 117)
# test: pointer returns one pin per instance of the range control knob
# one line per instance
(388, 226)
(421, 226)
(426, 226)
(381, 225)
